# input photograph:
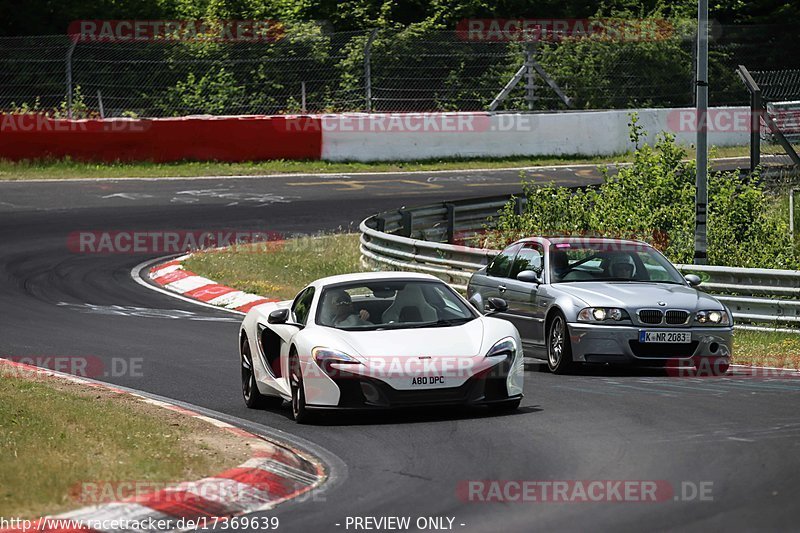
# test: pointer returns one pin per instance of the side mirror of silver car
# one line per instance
(529, 276)
(693, 280)
(496, 305)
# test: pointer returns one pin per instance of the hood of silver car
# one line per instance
(637, 295)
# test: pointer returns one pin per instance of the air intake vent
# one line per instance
(677, 317)
(650, 316)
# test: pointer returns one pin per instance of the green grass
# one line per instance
(766, 348)
(54, 436)
(281, 271)
(67, 169)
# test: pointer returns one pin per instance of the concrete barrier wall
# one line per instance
(204, 138)
(354, 137)
(377, 137)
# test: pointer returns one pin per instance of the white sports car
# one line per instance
(379, 340)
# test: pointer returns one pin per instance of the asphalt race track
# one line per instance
(737, 436)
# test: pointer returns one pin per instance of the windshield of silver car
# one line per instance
(610, 261)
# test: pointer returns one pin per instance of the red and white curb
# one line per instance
(173, 277)
(274, 474)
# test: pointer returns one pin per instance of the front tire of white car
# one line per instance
(252, 396)
(299, 410)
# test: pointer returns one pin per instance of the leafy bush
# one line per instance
(653, 200)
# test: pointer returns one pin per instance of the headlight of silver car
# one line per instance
(507, 346)
(603, 314)
(713, 317)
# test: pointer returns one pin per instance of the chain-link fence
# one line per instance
(309, 70)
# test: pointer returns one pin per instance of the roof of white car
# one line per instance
(366, 276)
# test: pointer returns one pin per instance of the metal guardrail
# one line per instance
(419, 240)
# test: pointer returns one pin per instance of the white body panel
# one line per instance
(424, 359)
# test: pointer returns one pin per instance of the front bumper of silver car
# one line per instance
(600, 343)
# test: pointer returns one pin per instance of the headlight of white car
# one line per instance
(714, 317)
(325, 357)
(506, 346)
(603, 314)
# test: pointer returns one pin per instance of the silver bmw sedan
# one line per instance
(598, 300)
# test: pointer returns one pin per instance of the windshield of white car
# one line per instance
(391, 304)
(610, 262)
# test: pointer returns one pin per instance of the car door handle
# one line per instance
(501, 288)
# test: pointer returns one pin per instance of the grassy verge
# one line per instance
(282, 271)
(66, 169)
(57, 435)
(767, 348)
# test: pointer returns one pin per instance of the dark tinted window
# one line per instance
(528, 258)
(501, 265)
(302, 305)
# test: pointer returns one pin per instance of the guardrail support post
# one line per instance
(519, 206)
(380, 224)
(406, 221)
(451, 222)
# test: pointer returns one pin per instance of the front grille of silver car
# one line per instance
(676, 316)
(650, 316)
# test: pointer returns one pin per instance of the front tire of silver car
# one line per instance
(559, 349)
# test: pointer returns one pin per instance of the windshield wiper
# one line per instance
(438, 323)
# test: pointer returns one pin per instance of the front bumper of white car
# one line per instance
(595, 343)
(361, 389)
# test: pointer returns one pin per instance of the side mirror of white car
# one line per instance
(278, 316)
(281, 316)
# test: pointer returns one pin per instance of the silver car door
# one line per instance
(523, 298)
(493, 283)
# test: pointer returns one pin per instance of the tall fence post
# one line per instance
(368, 70)
(70, 51)
(756, 112)
(530, 96)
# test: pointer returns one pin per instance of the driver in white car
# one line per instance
(344, 314)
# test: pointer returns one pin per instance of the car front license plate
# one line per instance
(665, 337)
(428, 381)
